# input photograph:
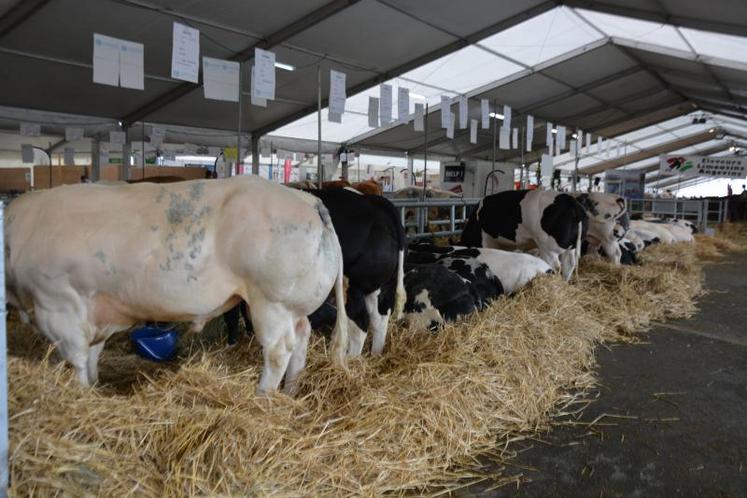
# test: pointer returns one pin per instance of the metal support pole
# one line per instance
(319, 165)
(238, 126)
(3, 369)
(425, 151)
(142, 137)
(125, 166)
(574, 183)
(521, 144)
(411, 167)
(495, 131)
(95, 160)
(50, 166)
(358, 161)
(255, 154)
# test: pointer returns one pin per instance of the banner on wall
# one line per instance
(692, 166)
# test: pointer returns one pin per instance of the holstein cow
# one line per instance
(436, 295)
(650, 231)
(553, 222)
(373, 245)
(513, 269)
(86, 261)
(607, 215)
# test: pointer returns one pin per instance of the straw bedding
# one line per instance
(413, 420)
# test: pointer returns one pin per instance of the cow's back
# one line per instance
(170, 251)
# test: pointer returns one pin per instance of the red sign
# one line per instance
(286, 171)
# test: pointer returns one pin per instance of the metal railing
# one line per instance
(705, 213)
(424, 218)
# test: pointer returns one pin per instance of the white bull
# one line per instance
(86, 261)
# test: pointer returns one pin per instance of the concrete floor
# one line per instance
(685, 392)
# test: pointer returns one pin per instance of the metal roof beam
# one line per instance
(285, 33)
(680, 143)
(660, 17)
(18, 14)
(419, 61)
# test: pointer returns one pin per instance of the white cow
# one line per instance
(650, 231)
(86, 261)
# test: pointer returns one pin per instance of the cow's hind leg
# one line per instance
(67, 331)
(92, 364)
(298, 357)
(379, 322)
(358, 320)
(275, 328)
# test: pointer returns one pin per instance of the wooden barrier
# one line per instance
(14, 179)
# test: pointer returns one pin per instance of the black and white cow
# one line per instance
(513, 269)
(553, 222)
(373, 244)
(608, 223)
(436, 295)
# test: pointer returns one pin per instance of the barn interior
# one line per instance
(628, 84)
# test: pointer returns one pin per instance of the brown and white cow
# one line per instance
(86, 261)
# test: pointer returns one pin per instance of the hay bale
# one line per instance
(414, 418)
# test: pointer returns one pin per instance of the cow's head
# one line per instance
(602, 207)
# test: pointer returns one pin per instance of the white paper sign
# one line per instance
(260, 102)
(131, 71)
(264, 74)
(507, 116)
(473, 131)
(72, 134)
(27, 153)
(336, 92)
(598, 149)
(463, 112)
(30, 129)
(221, 79)
(105, 60)
(580, 140)
(419, 122)
(561, 138)
(69, 156)
(450, 128)
(574, 146)
(504, 138)
(485, 113)
(373, 112)
(333, 117)
(587, 149)
(548, 137)
(185, 53)
(403, 104)
(530, 132)
(606, 148)
(546, 166)
(515, 138)
(385, 104)
(445, 111)
(117, 137)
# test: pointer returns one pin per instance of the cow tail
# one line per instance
(400, 295)
(340, 334)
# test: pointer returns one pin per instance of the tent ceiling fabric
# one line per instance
(371, 40)
(609, 87)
